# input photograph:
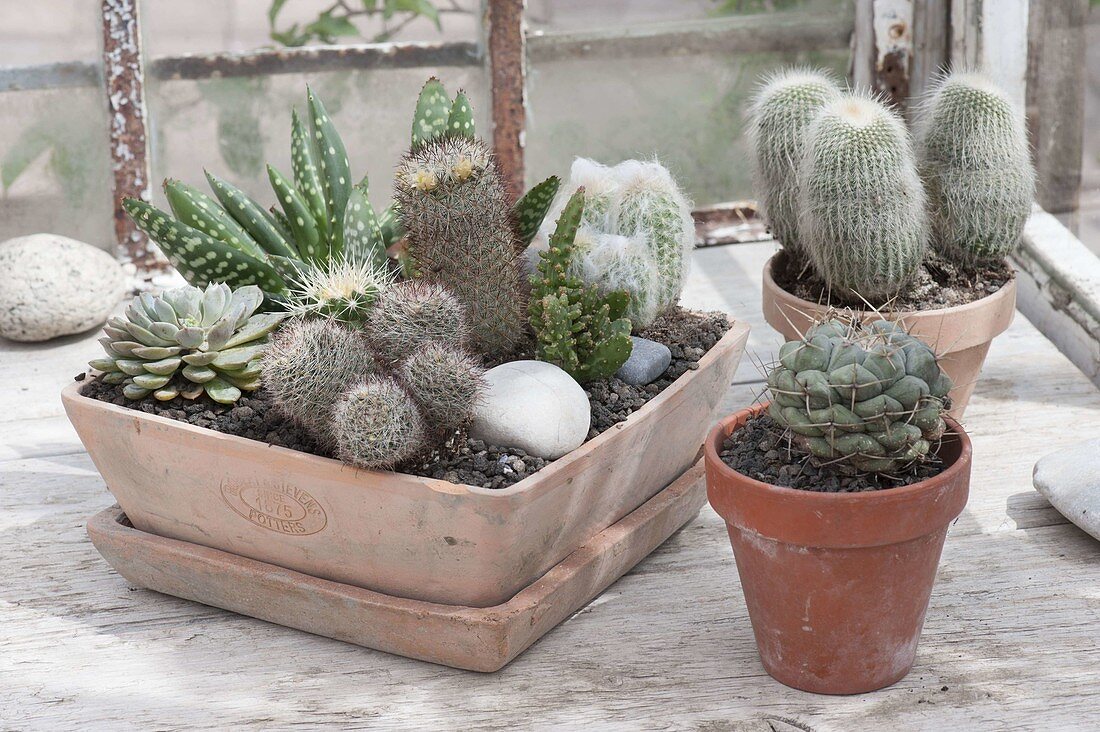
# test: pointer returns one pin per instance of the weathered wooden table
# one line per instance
(1011, 640)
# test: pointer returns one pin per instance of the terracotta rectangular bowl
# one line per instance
(477, 639)
(393, 533)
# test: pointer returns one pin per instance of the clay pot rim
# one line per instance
(733, 339)
(719, 433)
(1007, 290)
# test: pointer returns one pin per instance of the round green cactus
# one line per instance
(309, 366)
(781, 111)
(446, 383)
(411, 314)
(973, 155)
(187, 341)
(378, 424)
(869, 396)
(862, 218)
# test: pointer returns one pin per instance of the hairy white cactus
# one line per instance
(862, 218)
(973, 155)
(635, 217)
(782, 109)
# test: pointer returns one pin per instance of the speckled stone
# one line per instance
(53, 286)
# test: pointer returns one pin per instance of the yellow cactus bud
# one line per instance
(463, 169)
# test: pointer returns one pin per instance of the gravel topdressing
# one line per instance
(761, 450)
(461, 460)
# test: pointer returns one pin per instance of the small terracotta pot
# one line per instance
(960, 335)
(837, 584)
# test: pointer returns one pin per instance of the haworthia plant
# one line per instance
(231, 238)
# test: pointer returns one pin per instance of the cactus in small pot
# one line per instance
(973, 155)
(862, 218)
(867, 396)
(781, 110)
(187, 341)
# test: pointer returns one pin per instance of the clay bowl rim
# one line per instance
(1004, 292)
(738, 333)
(719, 432)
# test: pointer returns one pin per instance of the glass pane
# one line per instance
(49, 31)
(211, 26)
(555, 15)
(687, 111)
(232, 127)
(55, 165)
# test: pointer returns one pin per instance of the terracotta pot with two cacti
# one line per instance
(861, 205)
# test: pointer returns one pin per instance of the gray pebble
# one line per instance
(648, 360)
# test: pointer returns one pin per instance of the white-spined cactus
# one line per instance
(781, 110)
(187, 341)
(862, 218)
(378, 424)
(973, 155)
(869, 396)
(635, 217)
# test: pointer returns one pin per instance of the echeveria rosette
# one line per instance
(187, 341)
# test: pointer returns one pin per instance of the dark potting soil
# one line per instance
(938, 284)
(461, 459)
(761, 449)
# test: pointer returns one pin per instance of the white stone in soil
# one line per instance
(1070, 480)
(52, 285)
(534, 406)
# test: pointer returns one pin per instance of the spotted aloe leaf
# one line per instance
(362, 234)
(530, 210)
(389, 221)
(298, 217)
(200, 211)
(460, 121)
(433, 108)
(335, 169)
(199, 257)
(251, 216)
(307, 175)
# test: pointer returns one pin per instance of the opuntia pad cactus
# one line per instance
(780, 113)
(862, 218)
(868, 396)
(973, 154)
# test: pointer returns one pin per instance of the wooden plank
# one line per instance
(931, 38)
(882, 48)
(1056, 100)
(1008, 633)
(124, 74)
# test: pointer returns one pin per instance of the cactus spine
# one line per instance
(411, 314)
(455, 211)
(973, 155)
(782, 109)
(861, 203)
